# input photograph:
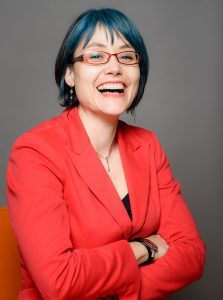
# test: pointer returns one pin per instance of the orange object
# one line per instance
(9, 259)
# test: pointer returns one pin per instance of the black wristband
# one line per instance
(151, 249)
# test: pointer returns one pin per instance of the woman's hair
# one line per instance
(83, 27)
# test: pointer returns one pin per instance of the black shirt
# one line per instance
(126, 202)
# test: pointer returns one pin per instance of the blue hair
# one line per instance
(84, 27)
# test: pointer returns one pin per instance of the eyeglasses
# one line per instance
(101, 57)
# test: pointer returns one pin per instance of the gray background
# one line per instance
(182, 102)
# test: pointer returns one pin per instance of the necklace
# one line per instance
(107, 157)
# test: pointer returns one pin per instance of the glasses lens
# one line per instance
(96, 57)
(128, 58)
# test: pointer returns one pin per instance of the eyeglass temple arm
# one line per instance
(78, 58)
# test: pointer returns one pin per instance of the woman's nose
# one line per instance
(113, 66)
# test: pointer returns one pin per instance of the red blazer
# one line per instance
(73, 229)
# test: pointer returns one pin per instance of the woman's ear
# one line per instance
(69, 76)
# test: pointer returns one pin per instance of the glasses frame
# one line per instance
(83, 58)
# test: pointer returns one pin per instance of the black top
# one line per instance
(126, 202)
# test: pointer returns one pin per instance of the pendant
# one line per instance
(106, 158)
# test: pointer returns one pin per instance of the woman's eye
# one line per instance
(95, 55)
(126, 57)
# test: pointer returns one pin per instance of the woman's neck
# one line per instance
(101, 130)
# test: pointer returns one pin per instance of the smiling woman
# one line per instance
(95, 208)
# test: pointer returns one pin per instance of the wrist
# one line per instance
(151, 249)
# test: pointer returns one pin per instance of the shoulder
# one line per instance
(36, 157)
(45, 140)
(50, 132)
(39, 150)
(143, 135)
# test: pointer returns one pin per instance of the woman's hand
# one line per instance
(141, 253)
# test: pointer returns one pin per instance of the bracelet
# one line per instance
(151, 249)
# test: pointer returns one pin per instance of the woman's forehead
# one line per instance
(102, 36)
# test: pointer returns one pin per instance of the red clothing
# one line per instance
(72, 228)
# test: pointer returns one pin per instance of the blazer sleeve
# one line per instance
(41, 224)
(184, 260)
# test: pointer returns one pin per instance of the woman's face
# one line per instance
(88, 80)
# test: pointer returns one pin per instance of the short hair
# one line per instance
(83, 27)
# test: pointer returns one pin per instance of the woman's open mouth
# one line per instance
(111, 88)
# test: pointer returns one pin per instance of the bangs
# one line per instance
(110, 28)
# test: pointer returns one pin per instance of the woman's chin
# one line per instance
(115, 109)
(113, 112)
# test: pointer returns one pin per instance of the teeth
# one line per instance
(111, 86)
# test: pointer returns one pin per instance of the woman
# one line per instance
(94, 206)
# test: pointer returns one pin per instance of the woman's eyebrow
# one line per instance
(125, 46)
(95, 44)
(100, 45)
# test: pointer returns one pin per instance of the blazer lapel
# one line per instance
(135, 161)
(92, 171)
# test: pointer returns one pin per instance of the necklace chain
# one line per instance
(107, 157)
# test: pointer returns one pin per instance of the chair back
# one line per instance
(10, 277)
